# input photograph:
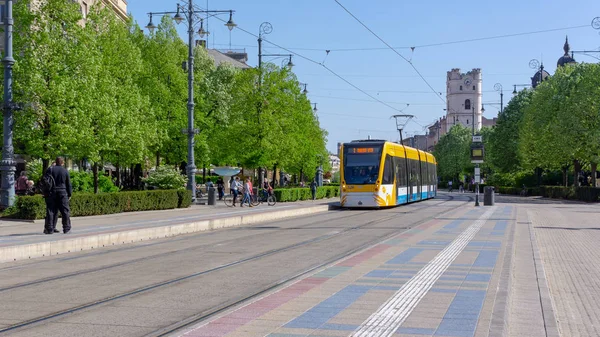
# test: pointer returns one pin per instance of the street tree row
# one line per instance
(554, 128)
(100, 89)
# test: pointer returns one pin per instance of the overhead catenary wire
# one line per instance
(392, 49)
(320, 64)
(494, 37)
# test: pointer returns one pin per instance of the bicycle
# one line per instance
(523, 192)
(269, 199)
(228, 200)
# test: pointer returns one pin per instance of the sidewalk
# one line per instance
(25, 240)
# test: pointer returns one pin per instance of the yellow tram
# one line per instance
(377, 173)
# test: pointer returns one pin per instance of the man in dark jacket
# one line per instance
(58, 199)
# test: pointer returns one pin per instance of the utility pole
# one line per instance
(8, 164)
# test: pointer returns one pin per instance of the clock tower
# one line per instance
(463, 94)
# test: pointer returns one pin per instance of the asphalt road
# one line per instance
(156, 287)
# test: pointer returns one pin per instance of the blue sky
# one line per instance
(310, 27)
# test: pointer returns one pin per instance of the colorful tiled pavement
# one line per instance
(437, 279)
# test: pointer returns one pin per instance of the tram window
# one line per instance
(424, 173)
(388, 171)
(401, 178)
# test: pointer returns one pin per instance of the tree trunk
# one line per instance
(260, 175)
(301, 176)
(45, 164)
(565, 176)
(594, 169)
(204, 175)
(157, 159)
(576, 170)
(274, 175)
(138, 176)
(538, 174)
(95, 170)
(118, 177)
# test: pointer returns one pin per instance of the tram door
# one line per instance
(402, 189)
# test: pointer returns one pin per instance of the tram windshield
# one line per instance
(361, 164)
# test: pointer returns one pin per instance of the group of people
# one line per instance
(246, 189)
(24, 186)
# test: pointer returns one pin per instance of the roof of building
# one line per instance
(566, 58)
(535, 80)
(220, 58)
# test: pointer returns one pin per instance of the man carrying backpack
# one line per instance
(56, 187)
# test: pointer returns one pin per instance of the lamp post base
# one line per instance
(476, 195)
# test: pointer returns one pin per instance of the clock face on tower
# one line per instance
(468, 81)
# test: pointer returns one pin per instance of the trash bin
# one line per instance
(488, 196)
(212, 196)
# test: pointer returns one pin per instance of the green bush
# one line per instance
(185, 198)
(34, 170)
(84, 204)
(166, 178)
(84, 182)
(295, 194)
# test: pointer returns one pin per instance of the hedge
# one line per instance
(295, 194)
(584, 193)
(85, 204)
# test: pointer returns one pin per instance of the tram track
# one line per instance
(225, 306)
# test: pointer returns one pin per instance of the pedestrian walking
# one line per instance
(450, 186)
(313, 189)
(56, 187)
(21, 185)
(461, 187)
(235, 187)
(247, 189)
(220, 187)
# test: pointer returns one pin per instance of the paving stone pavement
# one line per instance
(438, 279)
(568, 237)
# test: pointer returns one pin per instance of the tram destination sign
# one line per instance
(363, 150)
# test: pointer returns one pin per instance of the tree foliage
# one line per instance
(452, 152)
(100, 89)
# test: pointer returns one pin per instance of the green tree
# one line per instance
(502, 145)
(452, 153)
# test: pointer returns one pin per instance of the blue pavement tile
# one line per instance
(462, 315)
(415, 331)
(319, 314)
(500, 226)
(485, 244)
(454, 333)
(451, 278)
(405, 256)
(339, 327)
(454, 224)
(380, 273)
(434, 242)
(478, 277)
(456, 273)
(389, 288)
(443, 290)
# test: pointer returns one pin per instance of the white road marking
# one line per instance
(388, 318)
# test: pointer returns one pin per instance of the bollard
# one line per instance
(212, 196)
(488, 196)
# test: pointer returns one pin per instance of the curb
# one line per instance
(42, 249)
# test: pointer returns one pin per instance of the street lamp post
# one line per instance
(8, 164)
(520, 86)
(535, 64)
(498, 87)
(180, 15)
(265, 29)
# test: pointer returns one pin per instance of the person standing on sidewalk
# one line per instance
(21, 185)
(57, 197)
(235, 186)
(313, 189)
(220, 187)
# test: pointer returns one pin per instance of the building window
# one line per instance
(84, 9)
(473, 87)
(467, 104)
(467, 122)
(2, 13)
(461, 87)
